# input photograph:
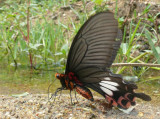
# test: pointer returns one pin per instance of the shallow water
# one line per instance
(24, 80)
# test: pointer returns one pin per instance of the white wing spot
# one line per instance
(107, 78)
(110, 83)
(107, 91)
(106, 85)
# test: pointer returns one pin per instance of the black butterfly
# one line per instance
(92, 52)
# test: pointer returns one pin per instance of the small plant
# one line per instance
(49, 40)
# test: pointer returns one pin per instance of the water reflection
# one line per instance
(23, 80)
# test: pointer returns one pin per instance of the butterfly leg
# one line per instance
(55, 94)
(71, 97)
(75, 95)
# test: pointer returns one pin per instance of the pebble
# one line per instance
(37, 106)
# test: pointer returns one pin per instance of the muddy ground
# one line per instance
(36, 106)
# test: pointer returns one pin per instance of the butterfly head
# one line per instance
(62, 78)
(59, 76)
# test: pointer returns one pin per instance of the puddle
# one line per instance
(22, 80)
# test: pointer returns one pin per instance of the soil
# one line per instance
(37, 106)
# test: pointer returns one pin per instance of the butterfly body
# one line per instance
(71, 82)
(92, 52)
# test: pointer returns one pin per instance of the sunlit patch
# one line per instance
(106, 85)
(107, 91)
(107, 78)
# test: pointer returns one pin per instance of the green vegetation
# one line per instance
(45, 43)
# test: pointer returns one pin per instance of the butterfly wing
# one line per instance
(117, 91)
(96, 44)
(92, 52)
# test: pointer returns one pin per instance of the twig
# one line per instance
(28, 30)
(135, 64)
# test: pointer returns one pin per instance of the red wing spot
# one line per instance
(128, 104)
(123, 102)
(111, 100)
(70, 75)
(120, 99)
(134, 99)
(129, 97)
(126, 96)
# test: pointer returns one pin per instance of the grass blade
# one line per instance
(148, 36)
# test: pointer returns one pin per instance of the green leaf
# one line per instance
(34, 46)
(158, 49)
(15, 49)
(58, 53)
(155, 52)
(64, 49)
(132, 38)
(98, 2)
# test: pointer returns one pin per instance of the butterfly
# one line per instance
(91, 55)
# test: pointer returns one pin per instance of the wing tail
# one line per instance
(120, 93)
(143, 96)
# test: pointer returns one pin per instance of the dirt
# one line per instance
(35, 106)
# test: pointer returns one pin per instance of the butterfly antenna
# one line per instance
(49, 89)
(53, 70)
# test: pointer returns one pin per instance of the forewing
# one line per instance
(95, 45)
